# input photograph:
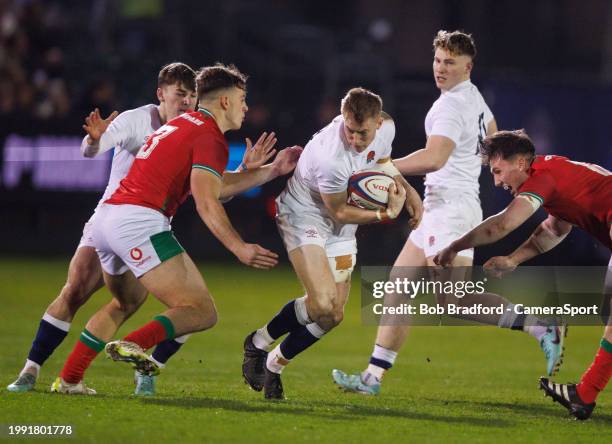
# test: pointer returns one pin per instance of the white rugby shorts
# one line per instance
(87, 236)
(133, 237)
(311, 229)
(446, 218)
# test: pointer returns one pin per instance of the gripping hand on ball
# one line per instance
(397, 197)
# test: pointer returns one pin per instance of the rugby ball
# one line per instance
(369, 190)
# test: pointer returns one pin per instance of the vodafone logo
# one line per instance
(136, 254)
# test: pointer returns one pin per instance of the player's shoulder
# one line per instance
(145, 112)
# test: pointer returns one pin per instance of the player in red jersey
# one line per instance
(572, 193)
(138, 251)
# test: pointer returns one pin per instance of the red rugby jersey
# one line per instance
(160, 175)
(579, 193)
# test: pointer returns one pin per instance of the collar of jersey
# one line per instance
(460, 86)
(205, 111)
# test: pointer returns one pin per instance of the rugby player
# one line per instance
(454, 125)
(318, 228)
(126, 134)
(137, 249)
(572, 193)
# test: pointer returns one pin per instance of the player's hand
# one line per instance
(256, 256)
(445, 257)
(286, 160)
(397, 198)
(95, 125)
(499, 265)
(414, 206)
(258, 154)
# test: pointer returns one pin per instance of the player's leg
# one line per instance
(84, 278)
(324, 310)
(178, 284)
(128, 296)
(580, 398)
(391, 334)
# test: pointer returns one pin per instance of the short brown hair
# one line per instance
(177, 72)
(455, 42)
(217, 77)
(361, 104)
(506, 144)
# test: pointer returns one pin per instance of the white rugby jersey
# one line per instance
(126, 134)
(327, 163)
(462, 115)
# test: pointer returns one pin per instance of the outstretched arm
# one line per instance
(205, 188)
(238, 182)
(431, 158)
(491, 229)
(546, 236)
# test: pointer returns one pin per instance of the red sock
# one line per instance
(597, 375)
(151, 334)
(79, 360)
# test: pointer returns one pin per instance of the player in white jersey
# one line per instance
(318, 229)
(456, 123)
(125, 133)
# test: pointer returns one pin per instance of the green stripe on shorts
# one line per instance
(166, 245)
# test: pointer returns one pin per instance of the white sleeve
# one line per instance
(119, 133)
(89, 150)
(332, 176)
(387, 135)
(447, 122)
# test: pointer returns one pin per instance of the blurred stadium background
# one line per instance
(543, 65)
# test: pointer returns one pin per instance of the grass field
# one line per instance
(452, 384)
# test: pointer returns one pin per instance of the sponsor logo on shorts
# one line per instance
(136, 254)
(370, 156)
(312, 233)
(432, 240)
(142, 262)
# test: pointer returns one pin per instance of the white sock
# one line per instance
(30, 364)
(507, 319)
(58, 323)
(276, 362)
(372, 374)
(159, 364)
(534, 327)
(262, 339)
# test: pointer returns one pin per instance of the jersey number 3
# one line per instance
(146, 150)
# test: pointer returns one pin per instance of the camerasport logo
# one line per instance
(136, 254)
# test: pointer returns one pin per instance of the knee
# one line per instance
(75, 293)
(320, 305)
(206, 313)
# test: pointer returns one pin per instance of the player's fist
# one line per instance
(256, 256)
(499, 265)
(445, 257)
(286, 160)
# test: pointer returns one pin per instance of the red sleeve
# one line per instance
(210, 153)
(540, 185)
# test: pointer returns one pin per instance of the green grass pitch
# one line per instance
(451, 384)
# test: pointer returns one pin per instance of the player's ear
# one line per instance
(469, 66)
(380, 122)
(160, 94)
(224, 102)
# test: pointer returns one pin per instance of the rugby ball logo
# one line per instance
(369, 190)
